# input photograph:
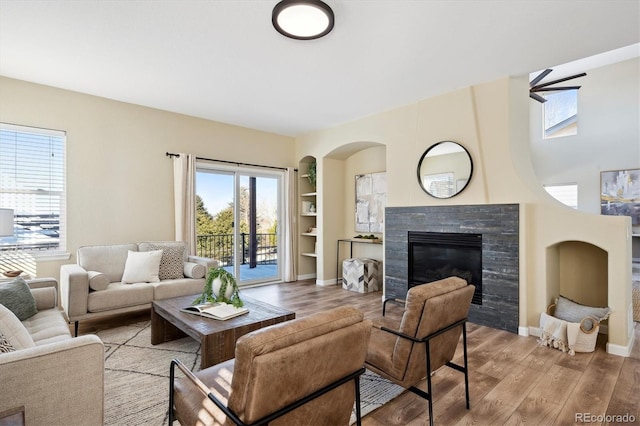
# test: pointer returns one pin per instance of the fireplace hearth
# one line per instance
(497, 225)
(437, 255)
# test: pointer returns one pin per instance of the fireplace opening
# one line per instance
(437, 255)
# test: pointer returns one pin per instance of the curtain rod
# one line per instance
(170, 154)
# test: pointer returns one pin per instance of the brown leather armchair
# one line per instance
(425, 339)
(304, 371)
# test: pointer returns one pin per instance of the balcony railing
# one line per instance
(220, 247)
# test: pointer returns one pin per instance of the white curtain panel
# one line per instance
(290, 228)
(184, 175)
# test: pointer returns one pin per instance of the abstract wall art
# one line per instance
(620, 193)
(371, 199)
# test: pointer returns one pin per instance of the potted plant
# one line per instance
(311, 174)
(221, 286)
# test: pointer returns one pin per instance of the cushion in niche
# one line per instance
(142, 267)
(98, 281)
(194, 270)
(569, 310)
(172, 262)
(13, 330)
(17, 297)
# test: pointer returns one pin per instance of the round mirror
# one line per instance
(444, 170)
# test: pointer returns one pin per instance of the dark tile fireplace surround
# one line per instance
(498, 224)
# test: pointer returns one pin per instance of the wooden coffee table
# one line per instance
(217, 338)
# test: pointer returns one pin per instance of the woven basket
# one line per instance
(583, 340)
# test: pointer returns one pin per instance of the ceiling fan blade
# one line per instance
(560, 80)
(539, 77)
(537, 97)
(551, 89)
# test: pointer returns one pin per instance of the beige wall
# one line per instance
(491, 120)
(119, 181)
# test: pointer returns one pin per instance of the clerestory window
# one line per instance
(561, 113)
(567, 194)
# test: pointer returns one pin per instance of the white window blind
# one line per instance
(32, 183)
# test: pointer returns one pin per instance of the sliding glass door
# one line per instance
(237, 216)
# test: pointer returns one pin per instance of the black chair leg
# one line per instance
(171, 380)
(429, 390)
(75, 326)
(384, 306)
(466, 367)
(358, 410)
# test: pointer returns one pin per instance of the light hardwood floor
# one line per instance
(512, 379)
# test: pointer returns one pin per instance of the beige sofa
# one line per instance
(60, 380)
(94, 286)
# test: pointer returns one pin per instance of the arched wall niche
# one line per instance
(579, 271)
(337, 201)
(307, 267)
(347, 150)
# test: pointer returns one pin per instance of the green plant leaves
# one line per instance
(226, 279)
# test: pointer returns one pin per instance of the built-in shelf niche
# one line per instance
(307, 241)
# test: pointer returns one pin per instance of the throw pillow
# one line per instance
(13, 330)
(172, 262)
(98, 281)
(17, 297)
(5, 344)
(142, 267)
(572, 311)
(194, 270)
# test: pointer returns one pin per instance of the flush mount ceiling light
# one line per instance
(302, 19)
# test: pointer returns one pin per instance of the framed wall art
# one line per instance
(371, 199)
(620, 193)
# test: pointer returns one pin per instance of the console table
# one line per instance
(350, 241)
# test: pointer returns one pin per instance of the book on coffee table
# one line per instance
(218, 311)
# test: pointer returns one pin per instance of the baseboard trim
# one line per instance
(523, 331)
(324, 283)
(620, 350)
(306, 277)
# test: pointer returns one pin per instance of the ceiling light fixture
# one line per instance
(302, 19)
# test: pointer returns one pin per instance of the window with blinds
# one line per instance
(32, 184)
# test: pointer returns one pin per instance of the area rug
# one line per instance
(137, 376)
